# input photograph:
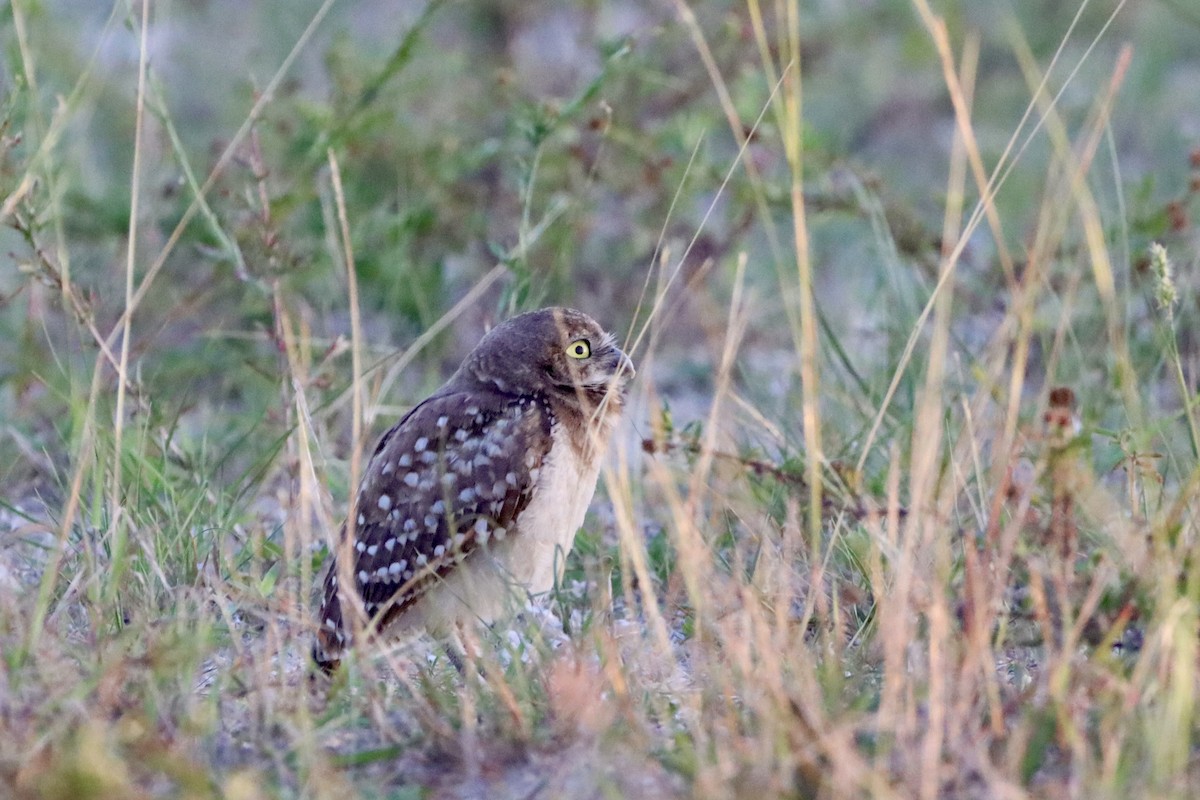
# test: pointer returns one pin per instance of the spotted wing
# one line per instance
(451, 476)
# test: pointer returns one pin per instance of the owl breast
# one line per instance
(498, 578)
(555, 512)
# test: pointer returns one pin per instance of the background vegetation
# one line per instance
(905, 505)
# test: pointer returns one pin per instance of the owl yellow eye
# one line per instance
(580, 348)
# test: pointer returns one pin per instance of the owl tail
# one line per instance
(327, 653)
(331, 638)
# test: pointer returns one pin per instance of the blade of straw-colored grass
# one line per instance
(345, 547)
(959, 99)
(765, 59)
(309, 497)
(116, 510)
(793, 137)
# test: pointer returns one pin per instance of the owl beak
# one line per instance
(624, 368)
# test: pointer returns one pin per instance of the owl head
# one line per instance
(559, 352)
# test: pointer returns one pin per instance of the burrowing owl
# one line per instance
(475, 496)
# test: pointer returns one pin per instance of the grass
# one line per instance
(904, 503)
